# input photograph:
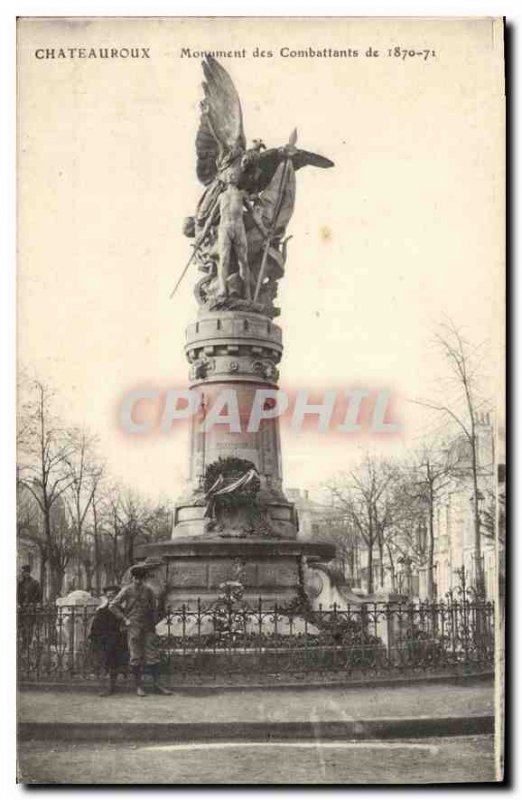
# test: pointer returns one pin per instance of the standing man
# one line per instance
(29, 595)
(135, 604)
(29, 591)
(108, 640)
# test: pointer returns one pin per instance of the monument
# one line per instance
(234, 523)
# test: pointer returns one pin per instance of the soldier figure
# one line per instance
(135, 604)
(232, 239)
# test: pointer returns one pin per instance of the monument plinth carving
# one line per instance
(234, 522)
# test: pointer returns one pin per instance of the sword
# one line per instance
(196, 247)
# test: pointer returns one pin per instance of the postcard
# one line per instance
(261, 432)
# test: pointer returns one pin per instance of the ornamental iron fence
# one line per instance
(229, 638)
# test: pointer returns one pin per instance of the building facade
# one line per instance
(454, 556)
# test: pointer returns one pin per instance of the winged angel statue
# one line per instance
(240, 222)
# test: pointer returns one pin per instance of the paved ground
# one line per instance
(200, 706)
(468, 758)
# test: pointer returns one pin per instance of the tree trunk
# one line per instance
(89, 571)
(97, 577)
(370, 548)
(370, 567)
(79, 576)
(129, 548)
(42, 575)
(115, 576)
(96, 549)
(56, 578)
(51, 559)
(392, 569)
(351, 562)
(430, 584)
(479, 572)
(381, 562)
(431, 536)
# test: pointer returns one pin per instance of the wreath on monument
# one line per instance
(226, 471)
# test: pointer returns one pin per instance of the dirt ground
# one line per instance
(437, 700)
(442, 760)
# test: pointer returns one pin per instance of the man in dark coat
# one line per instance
(29, 595)
(108, 640)
(29, 591)
(136, 606)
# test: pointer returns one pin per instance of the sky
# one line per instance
(405, 232)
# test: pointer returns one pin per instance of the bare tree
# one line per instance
(426, 479)
(386, 511)
(84, 472)
(364, 496)
(336, 529)
(29, 527)
(139, 521)
(123, 520)
(44, 449)
(462, 361)
(107, 533)
(97, 532)
(406, 541)
(64, 506)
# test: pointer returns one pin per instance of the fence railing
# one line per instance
(229, 639)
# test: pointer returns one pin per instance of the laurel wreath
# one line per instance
(232, 468)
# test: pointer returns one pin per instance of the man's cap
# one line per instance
(138, 570)
(111, 588)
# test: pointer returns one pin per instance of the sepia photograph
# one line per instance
(261, 448)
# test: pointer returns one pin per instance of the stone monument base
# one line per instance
(197, 568)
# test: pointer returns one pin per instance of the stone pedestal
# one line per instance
(238, 350)
(197, 568)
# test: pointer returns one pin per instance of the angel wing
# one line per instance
(221, 122)
(268, 161)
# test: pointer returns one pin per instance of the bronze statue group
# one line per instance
(239, 226)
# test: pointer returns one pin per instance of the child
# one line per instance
(108, 640)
